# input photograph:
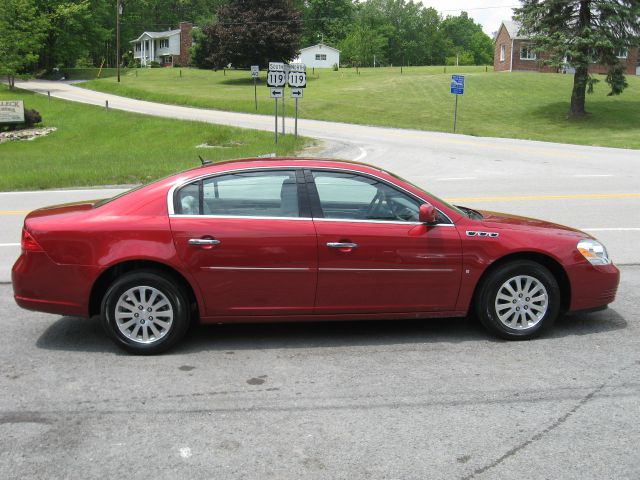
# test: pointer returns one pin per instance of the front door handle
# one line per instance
(345, 245)
(204, 241)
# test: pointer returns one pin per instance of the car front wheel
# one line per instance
(145, 313)
(518, 300)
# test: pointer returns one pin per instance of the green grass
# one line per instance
(95, 147)
(513, 105)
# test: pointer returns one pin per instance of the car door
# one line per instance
(249, 241)
(373, 253)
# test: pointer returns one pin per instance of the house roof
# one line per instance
(319, 45)
(513, 29)
(165, 34)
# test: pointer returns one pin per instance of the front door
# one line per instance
(248, 243)
(373, 253)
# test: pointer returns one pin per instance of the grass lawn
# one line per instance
(95, 147)
(514, 105)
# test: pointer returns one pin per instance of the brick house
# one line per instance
(514, 52)
(168, 48)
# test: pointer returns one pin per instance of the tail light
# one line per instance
(29, 243)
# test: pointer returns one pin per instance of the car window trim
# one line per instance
(310, 195)
(316, 207)
(303, 200)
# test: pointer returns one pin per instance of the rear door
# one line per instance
(373, 253)
(248, 239)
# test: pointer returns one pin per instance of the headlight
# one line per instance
(594, 252)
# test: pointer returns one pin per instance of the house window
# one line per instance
(622, 53)
(138, 47)
(164, 43)
(527, 53)
(503, 53)
(321, 56)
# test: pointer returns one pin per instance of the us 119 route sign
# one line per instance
(276, 76)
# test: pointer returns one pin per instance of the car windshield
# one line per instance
(452, 207)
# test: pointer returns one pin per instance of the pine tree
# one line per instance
(582, 32)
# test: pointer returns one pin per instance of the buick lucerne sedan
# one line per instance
(297, 240)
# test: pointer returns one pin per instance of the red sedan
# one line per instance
(293, 240)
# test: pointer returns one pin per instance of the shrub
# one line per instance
(154, 64)
(335, 67)
(31, 117)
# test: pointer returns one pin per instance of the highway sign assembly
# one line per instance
(457, 88)
(457, 84)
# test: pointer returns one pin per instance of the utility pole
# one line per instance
(118, 13)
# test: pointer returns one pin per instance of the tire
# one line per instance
(518, 300)
(145, 312)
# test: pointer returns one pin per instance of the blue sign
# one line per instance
(457, 84)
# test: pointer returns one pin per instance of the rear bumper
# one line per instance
(592, 287)
(42, 285)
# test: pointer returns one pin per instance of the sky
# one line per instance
(488, 13)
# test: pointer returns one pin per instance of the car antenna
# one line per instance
(204, 162)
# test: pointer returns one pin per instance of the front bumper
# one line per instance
(592, 287)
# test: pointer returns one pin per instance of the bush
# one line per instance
(31, 117)
(154, 64)
(335, 67)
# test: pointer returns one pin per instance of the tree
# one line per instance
(22, 32)
(252, 32)
(466, 36)
(326, 20)
(582, 32)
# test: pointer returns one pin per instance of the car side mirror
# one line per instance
(428, 214)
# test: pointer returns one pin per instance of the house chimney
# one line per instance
(185, 43)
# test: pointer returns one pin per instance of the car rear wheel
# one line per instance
(145, 312)
(518, 300)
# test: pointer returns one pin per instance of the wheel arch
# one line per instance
(107, 277)
(556, 269)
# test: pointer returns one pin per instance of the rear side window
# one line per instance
(246, 194)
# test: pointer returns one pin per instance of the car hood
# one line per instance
(515, 222)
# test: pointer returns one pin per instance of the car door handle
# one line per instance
(342, 245)
(203, 241)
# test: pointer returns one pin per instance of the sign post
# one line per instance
(276, 80)
(255, 72)
(297, 80)
(457, 88)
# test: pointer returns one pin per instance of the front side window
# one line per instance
(503, 51)
(321, 56)
(527, 53)
(357, 197)
(243, 194)
(622, 53)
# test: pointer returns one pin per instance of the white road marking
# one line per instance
(9, 244)
(363, 153)
(592, 175)
(454, 178)
(621, 229)
(185, 452)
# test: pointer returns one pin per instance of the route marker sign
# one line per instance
(276, 78)
(457, 84)
(297, 79)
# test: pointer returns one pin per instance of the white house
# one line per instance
(167, 48)
(319, 56)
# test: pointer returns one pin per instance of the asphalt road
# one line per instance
(436, 399)
(431, 399)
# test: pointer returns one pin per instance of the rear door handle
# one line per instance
(342, 245)
(203, 241)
